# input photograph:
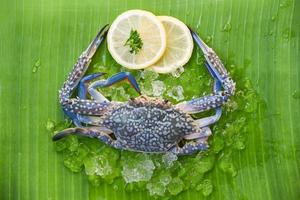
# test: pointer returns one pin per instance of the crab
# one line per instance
(143, 124)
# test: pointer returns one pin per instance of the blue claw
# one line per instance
(198, 41)
(213, 73)
(120, 77)
(217, 86)
(206, 50)
(82, 89)
(90, 51)
(216, 67)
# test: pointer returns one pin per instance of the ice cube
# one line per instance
(165, 179)
(50, 125)
(119, 94)
(147, 88)
(177, 73)
(176, 93)
(140, 169)
(168, 159)
(206, 187)
(231, 105)
(149, 75)
(175, 186)
(98, 165)
(158, 88)
(156, 188)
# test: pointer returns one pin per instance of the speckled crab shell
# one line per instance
(148, 124)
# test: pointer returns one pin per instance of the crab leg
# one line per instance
(112, 80)
(92, 132)
(88, 119)
(203, 122)
(218, 71)
(198, 142)
(82, 87)
(204, 132)
(190, 147)
(97, 96)
(82, 106)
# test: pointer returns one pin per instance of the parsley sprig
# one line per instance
(134, 42)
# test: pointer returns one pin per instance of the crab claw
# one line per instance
(92, 48)
(215, 65)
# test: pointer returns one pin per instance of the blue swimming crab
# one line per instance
(143, 124)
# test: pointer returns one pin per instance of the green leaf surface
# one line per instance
(41, 40)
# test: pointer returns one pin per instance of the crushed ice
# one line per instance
(149, 75)
(138, 170)
(176, 93)
(158, 88)
(177, 73)
(168, 159)
(99, 165)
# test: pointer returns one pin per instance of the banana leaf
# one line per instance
(41, 40)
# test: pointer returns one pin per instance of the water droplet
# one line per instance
(296, 94)
(36, 66)
(286, 33)
(50, 125)
(116, 187)
(208, 39)
(285, 3)
(227, 27)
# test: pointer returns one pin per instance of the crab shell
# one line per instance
(148, 124)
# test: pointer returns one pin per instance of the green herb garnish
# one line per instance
(134, 42)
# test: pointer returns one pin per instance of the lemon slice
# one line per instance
(136, 39)
(179, 46)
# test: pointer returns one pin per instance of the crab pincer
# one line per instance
(221, 76)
